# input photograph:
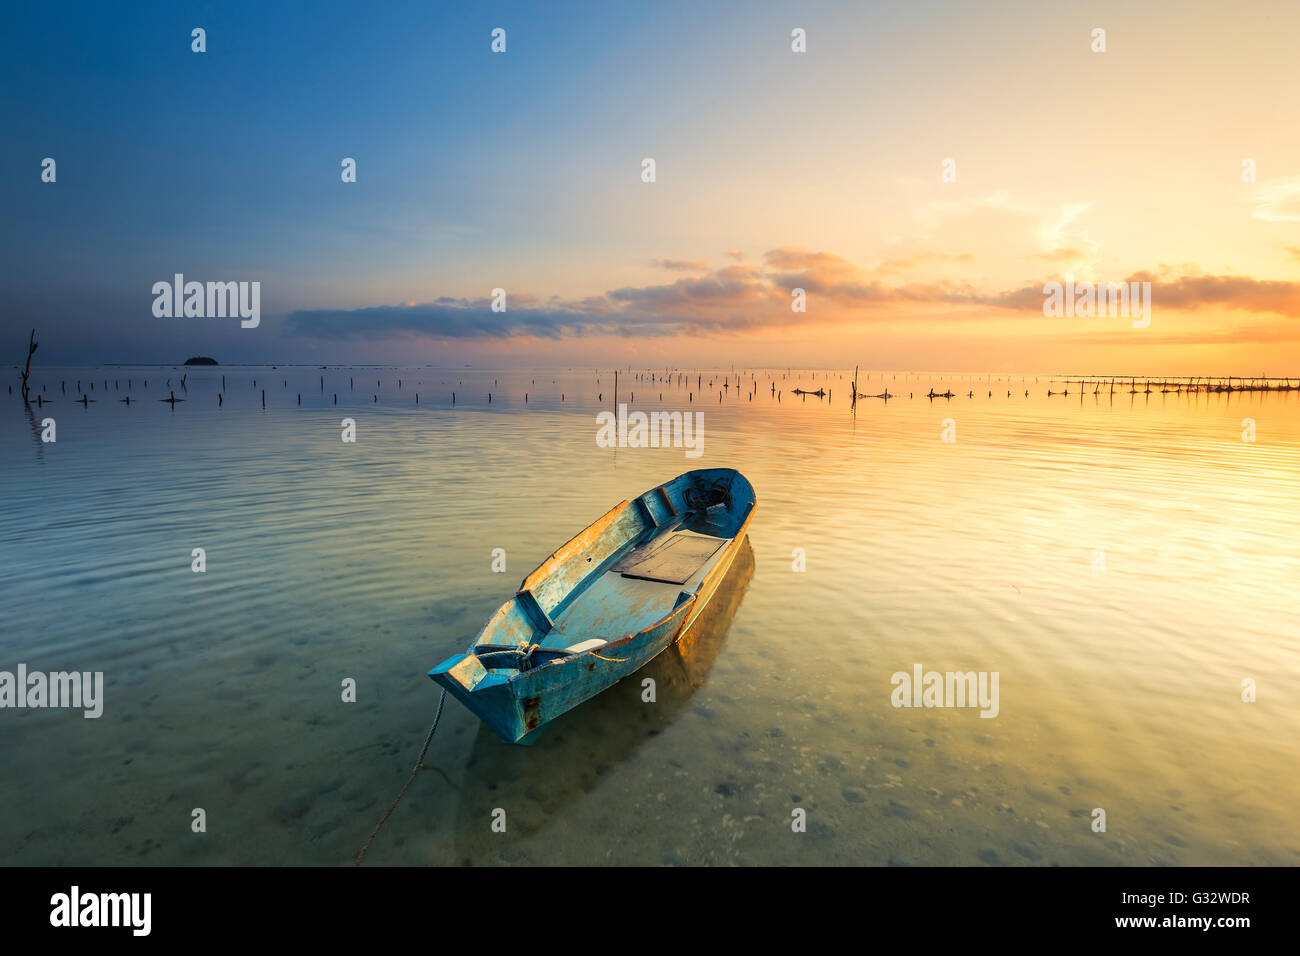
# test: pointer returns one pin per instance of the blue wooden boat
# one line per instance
(604, 604)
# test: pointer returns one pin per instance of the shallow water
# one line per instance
(1123, 562)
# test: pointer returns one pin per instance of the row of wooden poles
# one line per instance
(681, 380)
(1196, 383)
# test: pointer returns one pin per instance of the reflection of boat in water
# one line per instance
(580, 748)
(685, 666)
(605, 604)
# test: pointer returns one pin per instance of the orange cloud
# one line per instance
(920, 259)
(1062, 255)
(681, 265)
(745, 296)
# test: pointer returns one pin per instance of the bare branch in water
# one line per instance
(31, 350)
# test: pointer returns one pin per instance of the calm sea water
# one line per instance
(1123, 562)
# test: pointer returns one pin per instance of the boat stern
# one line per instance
(486, 693)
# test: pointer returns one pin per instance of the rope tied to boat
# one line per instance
(525, 652)
(523, 649)
(702, 496)
(419, 763)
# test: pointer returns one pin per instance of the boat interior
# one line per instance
(625, 573)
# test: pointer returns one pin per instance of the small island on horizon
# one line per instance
(201, 360)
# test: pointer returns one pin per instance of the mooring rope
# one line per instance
(525, 652)
(418, 764)
(523, 649)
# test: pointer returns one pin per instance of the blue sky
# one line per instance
(520, 170)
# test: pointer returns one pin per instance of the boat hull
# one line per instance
(608, 602)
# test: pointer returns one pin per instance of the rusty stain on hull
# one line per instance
(531, 712)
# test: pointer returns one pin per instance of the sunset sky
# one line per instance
(774, 170)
